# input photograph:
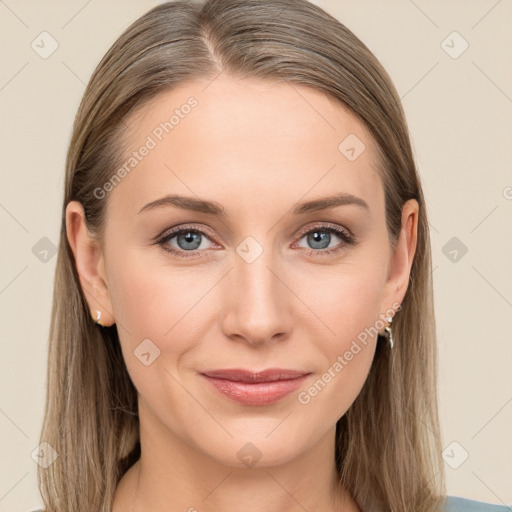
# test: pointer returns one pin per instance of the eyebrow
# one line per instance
(214, 208)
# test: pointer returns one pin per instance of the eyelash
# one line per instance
(347, 237)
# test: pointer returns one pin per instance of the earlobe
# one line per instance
(89, 262)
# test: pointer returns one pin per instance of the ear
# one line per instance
(402, 257)
(89, 263)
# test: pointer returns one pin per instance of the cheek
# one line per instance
(345, 300)
(154, 302)
(346, 305)
(155, 307)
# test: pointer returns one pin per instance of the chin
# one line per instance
(257, 448)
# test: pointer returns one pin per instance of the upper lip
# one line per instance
(268, 375)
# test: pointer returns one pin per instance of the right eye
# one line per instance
(188, 240)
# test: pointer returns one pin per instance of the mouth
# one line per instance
(255, 387)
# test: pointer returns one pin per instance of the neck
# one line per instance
(171, 475)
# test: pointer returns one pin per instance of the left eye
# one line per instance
(320, 238)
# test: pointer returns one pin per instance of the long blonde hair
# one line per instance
(388, 446)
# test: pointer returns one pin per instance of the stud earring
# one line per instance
(389, 319)
(98, 316)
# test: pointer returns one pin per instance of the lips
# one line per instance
(255, 388)
(249, 376)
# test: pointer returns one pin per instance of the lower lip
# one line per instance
(261, 393)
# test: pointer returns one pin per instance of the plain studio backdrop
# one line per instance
(450, 62)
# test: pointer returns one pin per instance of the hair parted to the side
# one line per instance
(388, 444)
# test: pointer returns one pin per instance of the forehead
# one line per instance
(263, 140)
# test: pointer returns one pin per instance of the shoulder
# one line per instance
(458, 504)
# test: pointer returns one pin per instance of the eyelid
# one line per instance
(324, 225)
(184, 227)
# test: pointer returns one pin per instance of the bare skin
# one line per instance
(257, 149)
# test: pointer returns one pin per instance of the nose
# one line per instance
(257, 306)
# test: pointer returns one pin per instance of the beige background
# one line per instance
(460, 116)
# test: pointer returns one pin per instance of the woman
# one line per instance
(243, 311)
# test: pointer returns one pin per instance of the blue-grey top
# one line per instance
(458, 504)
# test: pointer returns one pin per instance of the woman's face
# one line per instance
(268, 283)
